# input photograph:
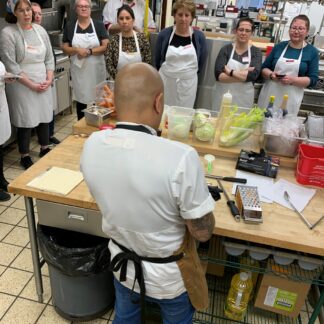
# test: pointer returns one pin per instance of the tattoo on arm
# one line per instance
(202, 228)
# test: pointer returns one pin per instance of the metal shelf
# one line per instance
(218, 288)
(268, 266)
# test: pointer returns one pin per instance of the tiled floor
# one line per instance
(18, 298)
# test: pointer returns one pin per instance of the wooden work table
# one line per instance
(281, 226)
(81, 128)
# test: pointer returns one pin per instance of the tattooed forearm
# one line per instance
(202, 228)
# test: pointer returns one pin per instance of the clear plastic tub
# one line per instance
(179, 122)
(204, 125)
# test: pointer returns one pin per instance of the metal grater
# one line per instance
(248, 203)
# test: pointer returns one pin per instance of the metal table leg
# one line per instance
(317, 309)
(34, 247)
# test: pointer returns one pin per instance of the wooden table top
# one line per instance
(80, 127)
(281, 227)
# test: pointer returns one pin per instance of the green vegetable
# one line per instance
(200, 119)
(205, 133)
(239, 127)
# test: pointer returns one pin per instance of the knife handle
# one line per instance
(231, 179)
(234, 210)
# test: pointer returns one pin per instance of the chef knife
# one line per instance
(230, 179)
(230, 203)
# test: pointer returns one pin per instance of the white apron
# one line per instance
(179, 74)
(5, 127)
(86, 73)
(242, 92)
(29, 108)
(125, 58)
(270, 88)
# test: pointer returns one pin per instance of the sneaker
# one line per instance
(26, 162)
(4, 196)
(3, 183)
(54, 140)
(44, 152)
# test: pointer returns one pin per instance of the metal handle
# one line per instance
(76, 217)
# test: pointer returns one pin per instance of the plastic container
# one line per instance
(104, 97)
(205, 125)
(310, 165)
(179, 122)
(238, 296)
(244, 137)
(82, 286)
(95, 115)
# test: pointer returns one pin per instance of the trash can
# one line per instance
(82, 286)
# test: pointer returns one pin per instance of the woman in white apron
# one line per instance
(30, 99)
(85, 41)
(291, 66)
(5, 132)
(180, 53)
(128, 46)
(237, 66)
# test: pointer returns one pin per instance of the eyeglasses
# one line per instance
(241, 30)
(26, 10)
(299, 29)
(83, 7)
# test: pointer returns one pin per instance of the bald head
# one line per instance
(139, 94)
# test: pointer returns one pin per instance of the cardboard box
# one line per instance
(281, 295)
(216, 251)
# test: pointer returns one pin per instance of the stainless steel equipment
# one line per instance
(62, 84)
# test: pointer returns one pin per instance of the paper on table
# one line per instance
(264, 184)
(300, 196)
(57, 180)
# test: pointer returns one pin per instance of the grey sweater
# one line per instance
(12, 49)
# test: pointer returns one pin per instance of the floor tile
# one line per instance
(66, 130)
(19, 203)
(95, 321)
(108, 314)
(49, 316)
(4, 230)
(2, 269)
(12, 173)
(13, 281)
(23, 261)
(5, 303)
(23, 311)
(61, 136)
(8, 253)
(12, 216)
(18, 236)
(23, 222)
(9, 202)
(30, 292)
(2, 209)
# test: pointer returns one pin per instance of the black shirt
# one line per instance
(182, 41)
(69, 31)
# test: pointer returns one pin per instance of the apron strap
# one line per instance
(120, 261)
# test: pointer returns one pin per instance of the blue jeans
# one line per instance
(174, 311)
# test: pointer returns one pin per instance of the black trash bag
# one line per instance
(73, 253)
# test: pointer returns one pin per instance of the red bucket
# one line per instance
(268, 50)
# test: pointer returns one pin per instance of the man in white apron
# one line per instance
(284, 66)
(179, 74)
(242, 92)
(87, 72)
(5, 132)
(125, 58)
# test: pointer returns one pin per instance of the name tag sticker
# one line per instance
(245, 59)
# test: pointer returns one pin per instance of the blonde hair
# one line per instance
(187, 4)
(77, 2)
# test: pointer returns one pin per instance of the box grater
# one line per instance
(248, 203)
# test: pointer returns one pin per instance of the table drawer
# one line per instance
(70, 218)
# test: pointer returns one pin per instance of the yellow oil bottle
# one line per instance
(238, 296)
